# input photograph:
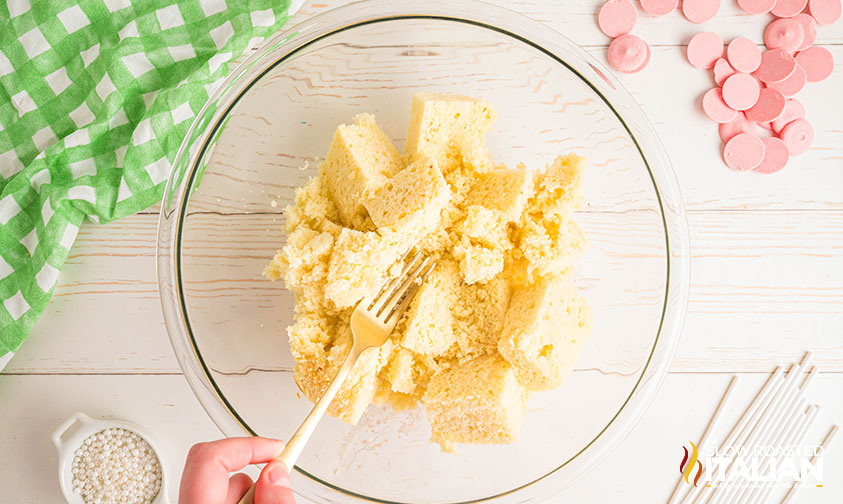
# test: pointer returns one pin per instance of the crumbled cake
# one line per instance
(497, 318)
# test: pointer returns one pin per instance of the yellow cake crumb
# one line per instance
(505, 190)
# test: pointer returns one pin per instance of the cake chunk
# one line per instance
(479, 401)
(360, 264)
(558, 189)
(478, 263)
(546, 326)
(303, 264)
(451, 129)
(428, 319)
(505, 190)
(411, 202)
(361, 158)
(400, 371)
(549, 247)
(486, 227)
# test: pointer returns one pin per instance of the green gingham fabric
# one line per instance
(95, 98)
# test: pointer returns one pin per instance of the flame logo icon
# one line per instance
(687, 466)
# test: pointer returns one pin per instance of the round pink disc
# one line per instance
(628, 53)
(704, 49)
(744, 55)
(776, 66)
(743, 152)
(817, 62)
(769, 107)
(740, 124)
(775, 155)
(659, 7)
(792, 84)
(715, 108)
(784, 34)
(798, 135)
(789, 8)
(825, 11)
(766, 125)
(740, 91)
(809, 29)
(617, 17)
(757, 6)
(700, 11)
(793, 110)
(722, 71)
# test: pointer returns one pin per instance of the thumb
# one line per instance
(273, 486)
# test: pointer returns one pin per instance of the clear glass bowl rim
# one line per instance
(479, 14)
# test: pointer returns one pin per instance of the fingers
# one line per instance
(273, 486)
(237, 487)
(205, 476)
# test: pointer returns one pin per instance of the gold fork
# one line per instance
(372, 321)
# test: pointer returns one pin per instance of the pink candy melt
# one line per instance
(617, 17)
(744, 55)
(793, 110)
(628, 53)
(798, 135)
(740, 124)
(776, 66)
(700, 11)
(722, 71)
(792, 84)
(743, 152)
(704, 49)
(809, 30)
(775, 155)
(784, 34)
(756, 6)
(659, 7)
(769, 106)
(715, 108)
(817, 62)
(741, 91)
(789, 8)
(825, 11)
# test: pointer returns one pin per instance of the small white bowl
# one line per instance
(70, 435)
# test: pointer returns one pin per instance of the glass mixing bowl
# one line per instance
(261, 135)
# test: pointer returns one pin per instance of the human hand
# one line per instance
(205, 479)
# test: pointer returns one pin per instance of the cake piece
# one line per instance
(360, 264)
(479, 401)
(549, 247)
(411, 202)
(361, 158)
(451, 129)
(478, 263)
(401, 371)
(486, 227)
(428, 329)
(303, 264)
(503, 189)
(558, 189)
(479, 316)
(545, 328)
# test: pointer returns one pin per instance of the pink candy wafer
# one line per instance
(744, 55)
(757, 6)
(798, 135)
(809, 29)
(704, 49)
(825, 11)
(784, 34)
(743, 152)
(776, 66)
(775, 155)
(740, 91)
(617, 17)
(793, 110)
(769, 106)
(792, 84)
(658, 8)
(715, 108)
(740, 124)
(722, 71)
(817, 62)
(628, 53)
(789, 8)
(700, 11)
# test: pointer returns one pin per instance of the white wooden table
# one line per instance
(766, 285)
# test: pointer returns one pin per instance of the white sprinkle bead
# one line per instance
(116, 466)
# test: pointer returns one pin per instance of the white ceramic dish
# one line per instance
(70, 435)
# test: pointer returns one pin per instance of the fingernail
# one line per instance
(278, 476)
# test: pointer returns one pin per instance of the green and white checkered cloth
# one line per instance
(95, 98)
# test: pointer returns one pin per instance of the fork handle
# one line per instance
(295, 445)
